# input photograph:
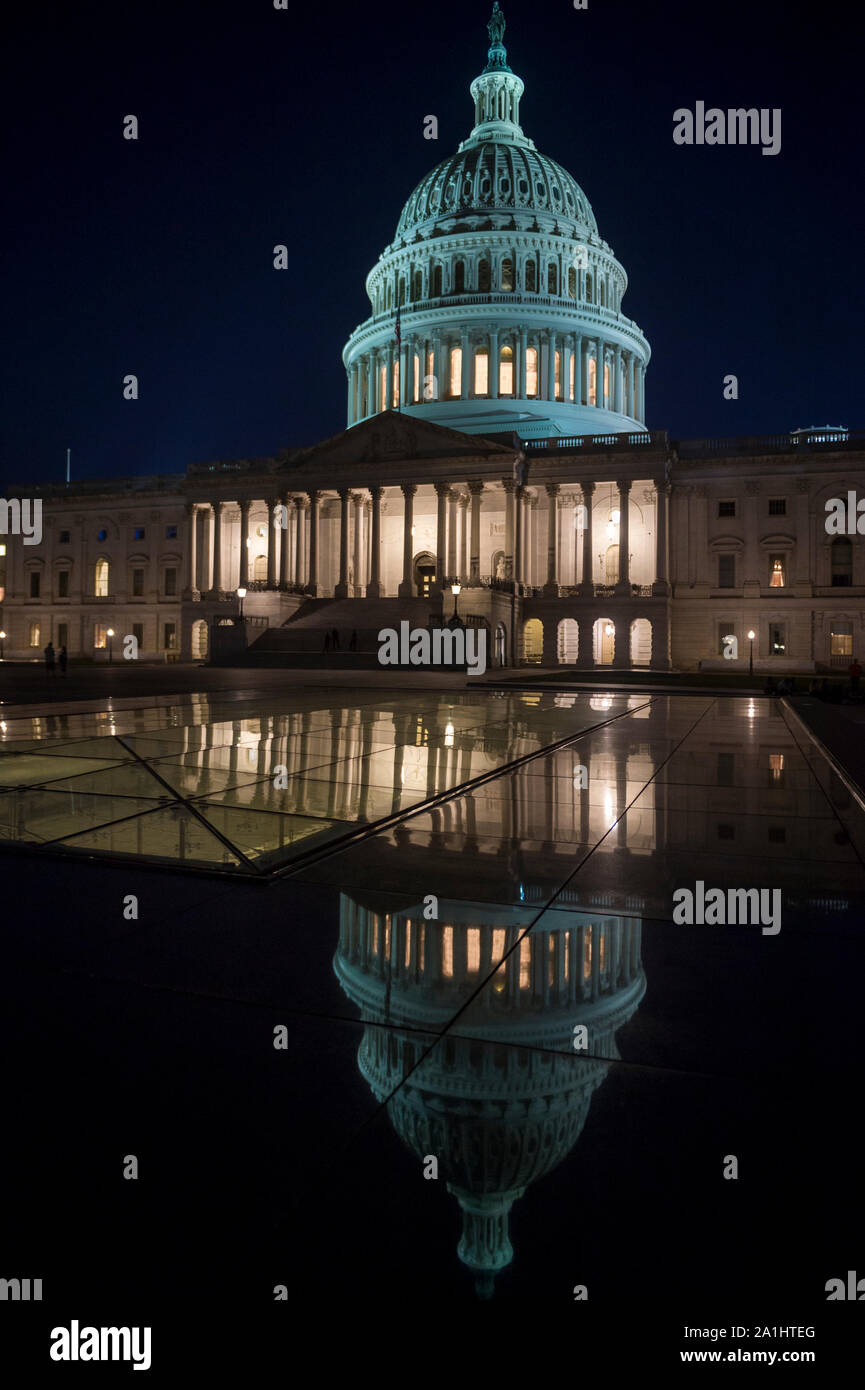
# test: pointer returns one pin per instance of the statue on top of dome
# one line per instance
(496, 26)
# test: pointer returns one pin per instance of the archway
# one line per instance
(611, 561)
(497, 564)
(604, 642)
(259, 568)
(533, 641)
(568, 641)
(200, 640)
(501, 645)
(424, 574)
(641, 642)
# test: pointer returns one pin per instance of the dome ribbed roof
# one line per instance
(497, 177)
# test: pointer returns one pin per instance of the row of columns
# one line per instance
(417, 355)
(623, 586)
(296, 519)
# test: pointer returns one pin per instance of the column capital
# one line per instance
(476, 489)
(244, 503)
(314, 497)
(376, 492)
(408, 489)
(588, 489)
(508, 484)
(462, 499)
(624, 484)
(272, 503)
(344, 493)
(443, 489)
(662, 486)
(553, 489)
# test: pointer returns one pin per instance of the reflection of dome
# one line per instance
(502, 1100)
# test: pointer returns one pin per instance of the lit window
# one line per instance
(416, 377)
(482, 359)
(841, 639)
(448, 952)
(525, 963)
(34, 635)
(456, 370)
(100, 579)
(507, 275)
(100, 637)
(587, 954)
(572, 369)
(506, 372)
(557, 389)
(531, 371)
(606, 383)
(776, 572)
(473, 950)
(395, 386)
(170, 637)
(593, 381)
(777, 639)
(382, 387)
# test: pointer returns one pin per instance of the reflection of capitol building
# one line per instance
(503, 1097)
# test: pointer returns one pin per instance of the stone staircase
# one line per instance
(300, 640)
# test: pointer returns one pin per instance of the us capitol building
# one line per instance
(495, 439)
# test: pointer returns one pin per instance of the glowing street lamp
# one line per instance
(241, 595)
(751, 635)
(110, 636)
(455, 589)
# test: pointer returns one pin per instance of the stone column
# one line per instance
(662, 494)
(551, 588)
(272, 504)
(217, 548)
(452, 536)
(618, 371)
(443, 492)
(370, 388)
(509, 485)
(357, 499)
(341, 590)
(314, 504)
(623, 585)
(517, 502)
(587, 587)
(464, 538)
(285, 538)
(300, 547)
(493, 382)
(476, 489)
(191, 519)
(578, 369)
(406, 587)
(566, 369)
(524, 343)
(243, 581)
(373, 588)
(552, 368)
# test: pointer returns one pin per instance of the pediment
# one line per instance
(391, 437)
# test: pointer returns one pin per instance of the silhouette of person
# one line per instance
(352, 646)
(62, 659)
(326, 646)
(335, 636)
(49, 659)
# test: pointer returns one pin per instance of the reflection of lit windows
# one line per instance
(449, 736)
(100, 637)
(566, 948)
(587, 954)
(498, 943)
(602, 943)
(448, 952)
(473, 950)
(551, 961)
(776, 765)
(525, 963)
(407, 951)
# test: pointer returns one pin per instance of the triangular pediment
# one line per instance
(391, 437)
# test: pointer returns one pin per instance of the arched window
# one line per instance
(531, 371)
(456, 371)
(572, 370)
(593, 381)
(606, 395)
(557, 389)
(842, 563)
(588, 288)
(602, 290)
(459, 277)
(552, 278)
(436, 281)
(395, 392)
(482, 366)
(418, 285)
(506, 372)
(612, 565)
(507, 275)
(402, 289)
(531, 277)
(100, 579)
(382, 387)
(572, 283)
(484, 277)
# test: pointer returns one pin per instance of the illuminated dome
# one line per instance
(509, 300)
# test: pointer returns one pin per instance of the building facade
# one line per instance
(495, 439)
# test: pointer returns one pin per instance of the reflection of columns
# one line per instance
(586, 587)
(314, 502)
(508, 485)
(191, 519)
(272, 504)
(551, 588)
(243, 581)
(357, 548)
(662, 493)
(452, 536)
(443, 491)
(285, 538)
(475, 566)
(623, 585)
(341, 590)
(406, 588)
(464, 537)
(373, 588)
(217, 548)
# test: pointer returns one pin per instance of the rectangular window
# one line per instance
(841, 639)
(34, 635)
(481, 373)
(416, 377)
(777, 506)
(726, 571)
(35, 579)
(506, 373)
(171, 583)
(395, 388)
(606, 384)
(171, 533)
(139, 533)
(100, 637)
(62, 634)
(169, 640)
(64, 537)
(63, 584)
(456, 371)
(776, 572)
(777, 639)
(138, 583)
(531, 371)
(572, 371)
(557, 390)
(726, 509)
(138, 634)
(593, 381)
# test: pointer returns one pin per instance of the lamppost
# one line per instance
(110, 636)
(751, 636)
(2, 646)
(241, 595)
(455, 589)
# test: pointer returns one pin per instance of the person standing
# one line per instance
(62, 659)
(854, 671)
(49, 659)
(335, 639)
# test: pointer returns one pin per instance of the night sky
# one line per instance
(260, 126)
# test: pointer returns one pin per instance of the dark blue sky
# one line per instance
(260, 126)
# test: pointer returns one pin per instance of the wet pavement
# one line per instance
(458, 1042)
